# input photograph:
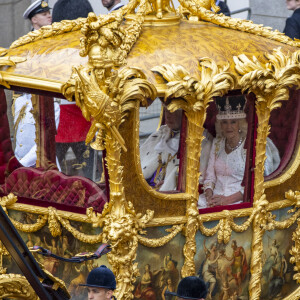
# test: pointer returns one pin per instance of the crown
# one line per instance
(231, 107)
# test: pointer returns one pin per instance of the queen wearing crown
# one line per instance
(226, 165)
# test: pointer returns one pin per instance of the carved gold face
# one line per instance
(101, 57)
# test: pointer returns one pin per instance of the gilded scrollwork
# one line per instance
(105, 97)
(295, 258)
(16, 286)
(54, 225)
(8, 61)
(193, 95)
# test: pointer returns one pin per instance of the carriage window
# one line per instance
(281, 142)
(225, 158)
(74, 157)
(160, 146)
(50, 134)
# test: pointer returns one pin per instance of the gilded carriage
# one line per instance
(111, 66)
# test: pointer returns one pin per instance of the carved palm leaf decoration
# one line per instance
(270, 82)
(274, 78)
(193, 94)
(134, 87)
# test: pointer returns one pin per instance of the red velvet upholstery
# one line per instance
(284, 129)
(6, 151)
(50, 187)
(53, 186)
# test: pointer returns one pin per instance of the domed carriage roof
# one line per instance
(48, 58)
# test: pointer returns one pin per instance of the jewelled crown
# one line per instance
(231, 107)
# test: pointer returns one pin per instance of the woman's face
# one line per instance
(230, 128)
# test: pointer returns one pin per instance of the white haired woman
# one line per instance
(226, 165)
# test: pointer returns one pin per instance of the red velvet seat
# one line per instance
(53, 186)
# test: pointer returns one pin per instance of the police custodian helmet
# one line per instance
(70, 10)
(101, 277)
(191, 287)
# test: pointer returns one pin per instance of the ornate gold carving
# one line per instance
(3, 51)
(121, 226)
(58, 283)
(294, 295)
(270, 82)
(16, 286)
(8, 61)
(193, 94)
(65, 26)
(56, 28)
(153, 243)
(205, 14)
(295, 259)
(11, 60)
(54, 226)
(106, 96)
(288, 172)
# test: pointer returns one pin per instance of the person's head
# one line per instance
(71, 10)
(173, 120)
(168, 256)
(39, 14)
(231, 118)
(100, 283)
(147, 267)
(96, 293)
(233, 244)
(213, 246)
(191, 287)
(292, 4)
(109, 4)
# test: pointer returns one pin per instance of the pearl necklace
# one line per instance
(231, 149)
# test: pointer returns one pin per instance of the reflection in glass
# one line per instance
(226, 166)
(25, 114)
(160, 157)
(74, 157)
(67, 136)
(284, 123)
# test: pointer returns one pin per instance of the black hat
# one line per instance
(231, 107)
(101, 277)
(70, 10)
(36, 7)
(191, 287)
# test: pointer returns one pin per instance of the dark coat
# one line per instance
(70, 10)
(292, 26)
(224, 9)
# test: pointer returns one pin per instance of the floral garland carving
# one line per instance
(153, 243)
(193, 95)
(196, 9)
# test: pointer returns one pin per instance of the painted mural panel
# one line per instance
(65, 245)
(159, 267)
(277, 273)
(224, 267)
